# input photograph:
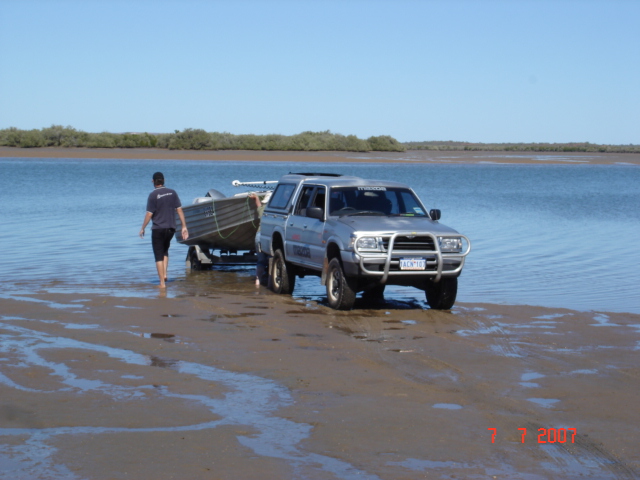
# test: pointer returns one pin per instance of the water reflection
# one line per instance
(162, 362)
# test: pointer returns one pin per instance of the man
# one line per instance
(162, 205)
(262, 265)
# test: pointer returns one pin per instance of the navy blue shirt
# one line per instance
(162, 204)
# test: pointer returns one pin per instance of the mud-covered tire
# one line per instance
(340, 292)
(282, 277)
(442, 295)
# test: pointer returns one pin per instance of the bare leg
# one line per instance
(166, 267)
(160, 266)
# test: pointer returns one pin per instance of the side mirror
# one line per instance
(435, 214)
(315, 212)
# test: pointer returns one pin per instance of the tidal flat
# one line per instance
(242, 383)
(410, 156)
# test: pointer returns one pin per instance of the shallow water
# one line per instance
(549, 235)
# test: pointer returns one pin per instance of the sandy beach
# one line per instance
(238, 382)
(416, 156)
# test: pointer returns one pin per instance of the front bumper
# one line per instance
(400, 245)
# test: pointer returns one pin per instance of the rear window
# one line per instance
(282, 195)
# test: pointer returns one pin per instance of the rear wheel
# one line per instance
(340, 293)
(442, 295)
(282, 278)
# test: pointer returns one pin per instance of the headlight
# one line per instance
(450, 245)
(368, 243)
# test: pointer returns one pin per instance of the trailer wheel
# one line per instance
(442, 295)
(196, 264)
(282, 277)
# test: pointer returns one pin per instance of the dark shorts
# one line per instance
(160, 241)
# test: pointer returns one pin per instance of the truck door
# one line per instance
(296, 250)
(313, 233)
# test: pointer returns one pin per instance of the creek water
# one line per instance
(547, 235)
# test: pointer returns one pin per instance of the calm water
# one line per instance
(549, 235)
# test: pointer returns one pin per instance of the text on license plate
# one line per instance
(413, 264)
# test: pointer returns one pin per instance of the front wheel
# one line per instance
(442, 295)
(340, 293)
(282, 278)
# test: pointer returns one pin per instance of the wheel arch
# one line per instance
(277, 242)
(333, 251)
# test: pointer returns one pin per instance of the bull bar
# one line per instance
(440, 256)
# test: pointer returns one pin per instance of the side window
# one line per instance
(282, 195)
(318, 201)
(303, 201)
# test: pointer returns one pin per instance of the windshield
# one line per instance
(374, 201)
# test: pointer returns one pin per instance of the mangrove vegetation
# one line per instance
(522, 147)
(198, 139)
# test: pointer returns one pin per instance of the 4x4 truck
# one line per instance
(359, 235)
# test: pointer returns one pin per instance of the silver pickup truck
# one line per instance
(359, 235)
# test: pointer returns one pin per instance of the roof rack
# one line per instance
(307, 174)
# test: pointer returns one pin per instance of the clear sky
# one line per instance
(478, 71)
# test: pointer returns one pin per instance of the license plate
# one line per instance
(413, 263)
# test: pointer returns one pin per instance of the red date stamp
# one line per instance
(545, 435)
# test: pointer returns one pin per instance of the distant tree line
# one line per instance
(58, 136)
(196, 139)
(522, 147)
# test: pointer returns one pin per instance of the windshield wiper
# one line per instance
(407, 214)
(364, 212)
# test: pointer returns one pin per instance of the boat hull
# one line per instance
(226, 223)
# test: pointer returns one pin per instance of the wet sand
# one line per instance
(235, 382)
(415, 156)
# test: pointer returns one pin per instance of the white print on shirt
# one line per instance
(160, 196)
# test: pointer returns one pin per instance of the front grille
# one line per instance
(406, 243)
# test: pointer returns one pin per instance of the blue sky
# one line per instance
(479, 71)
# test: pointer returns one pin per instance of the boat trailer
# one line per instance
(222, 229)
(203, 258)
